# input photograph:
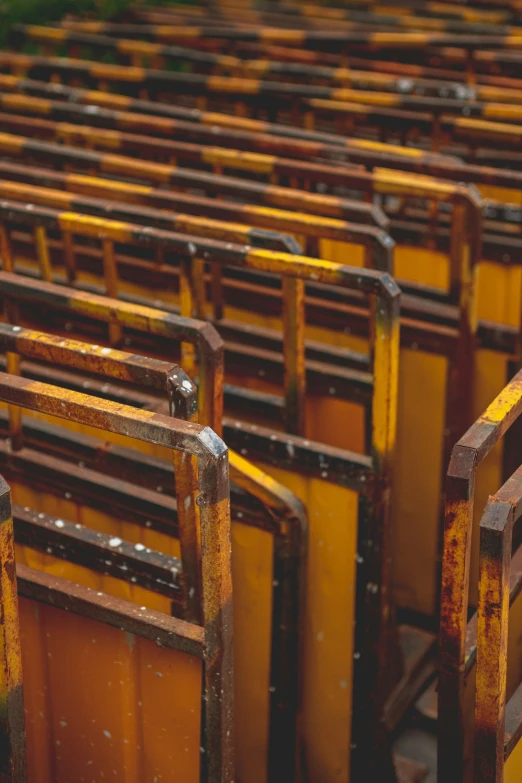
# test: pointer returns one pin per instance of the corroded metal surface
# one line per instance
(13, 766)
(471, 449)
(135, 191)
(213, 502)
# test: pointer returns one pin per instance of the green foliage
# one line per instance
(42, 11)
(45, 11)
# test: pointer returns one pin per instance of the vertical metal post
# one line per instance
(13, 762)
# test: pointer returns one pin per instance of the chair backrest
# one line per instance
(213, 502)
(385, 338)
(270, 508)
(456, 660)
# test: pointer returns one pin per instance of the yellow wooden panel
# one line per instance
(328, 645)
(37, 697)
(417, 478)
(341, 252)
(252, 568)
(104, 704)
(419, 265)
(252, 563)
(514, 669)
(513, 766)
(506, 195)
(499, 293)
(335, 422)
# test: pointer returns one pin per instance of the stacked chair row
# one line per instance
(207, 217)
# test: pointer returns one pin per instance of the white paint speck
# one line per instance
(115, 542)
(107, 734)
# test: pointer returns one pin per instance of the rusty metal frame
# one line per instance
(241, 132)
(79, 544)
(17, 341)
(164, 174)
(167, 220)
(295, 140)
(466, 218)
(167, 173)
(214, 506)
(98, 36)
(504, 13)
(310, 39)
(268, 45)
(284, 15)
(467, 454)
(287, 516)
(347, 103)
(13, 767)
(309, 16)
(142, 51)
(378, 245)
(496, 535)
(464, 254)
(385, 347)
(213, 251)
(153, 321)
(370, 153)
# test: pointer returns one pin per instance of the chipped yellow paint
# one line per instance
(110, 99)
(248, 161)
(45, 33)
(224, 84)
(404, 39)
(228, 232)
(498, 129)
(256, 66)
(376, 146)
(10, 632)
(404, 183)
(21, 101)
(281, 35)
(20, 192)
(89, 225)
(122, 165)
(232, 121)
(182, 31)
(120, 72)
(7, 81)
(375, 98)
(138, 47)
(504, 111)
(112, 184)
(508, 398)
(10, 143)
(67, 131)
(292, 217)
(298, 266)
